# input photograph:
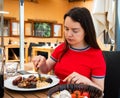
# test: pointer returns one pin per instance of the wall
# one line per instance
(45, 9)
(52, 10)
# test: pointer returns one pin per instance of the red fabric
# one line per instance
(88, 62)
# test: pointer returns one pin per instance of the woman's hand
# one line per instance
(76, 78)
(40, 63)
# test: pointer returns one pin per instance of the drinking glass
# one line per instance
(11, 69)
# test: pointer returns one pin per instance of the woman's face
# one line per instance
(74, 33)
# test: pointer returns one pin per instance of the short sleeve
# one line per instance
(99, 66)
(57, 52)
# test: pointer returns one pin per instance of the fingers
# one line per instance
(35, 61)
(73, 78)
(70, 79)
(38, 61)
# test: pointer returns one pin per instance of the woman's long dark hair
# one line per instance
(83, 16)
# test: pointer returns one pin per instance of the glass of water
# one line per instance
(11, 69)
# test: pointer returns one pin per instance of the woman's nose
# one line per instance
(69, 33)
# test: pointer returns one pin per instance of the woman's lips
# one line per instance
(69, 40)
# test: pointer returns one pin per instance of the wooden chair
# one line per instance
(44, 53)
(112, 80)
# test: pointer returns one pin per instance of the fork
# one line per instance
(39, 74)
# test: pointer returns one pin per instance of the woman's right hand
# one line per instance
(39, 63)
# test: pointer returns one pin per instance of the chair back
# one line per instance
(112, 79)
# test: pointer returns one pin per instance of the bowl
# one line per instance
(93, 91)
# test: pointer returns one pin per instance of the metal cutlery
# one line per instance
(39, 74)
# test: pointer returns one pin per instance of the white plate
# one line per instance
(8, 83)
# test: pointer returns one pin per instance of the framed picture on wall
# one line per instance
(28, 28)
(57, 30)
(42, 29)
(15, 28)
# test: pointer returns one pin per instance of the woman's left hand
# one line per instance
(76, 78)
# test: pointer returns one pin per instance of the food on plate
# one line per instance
(41, 83)
(17, 80)
(31, 82)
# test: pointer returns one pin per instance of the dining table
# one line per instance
(28, 94)
(43, 93)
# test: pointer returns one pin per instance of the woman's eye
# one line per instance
(75, 31)
(66, 29)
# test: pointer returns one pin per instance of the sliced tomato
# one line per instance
(80, 97)
(77, 92)
(73, 95)
(85, 94)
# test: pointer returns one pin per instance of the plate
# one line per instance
(8, 83)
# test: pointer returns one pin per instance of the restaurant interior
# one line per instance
(22, 39)
(35, 13)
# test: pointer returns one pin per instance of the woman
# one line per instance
(79, 59)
